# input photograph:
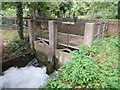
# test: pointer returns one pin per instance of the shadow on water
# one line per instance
(21, 61)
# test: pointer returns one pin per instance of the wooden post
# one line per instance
(88, 33)
(52, 38)
(52, 34)
(98, 31)
(31, 28)
(15, 21)
(106, 28)
(103, 30)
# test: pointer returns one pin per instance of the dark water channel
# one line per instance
(21, 61)
(23, 71)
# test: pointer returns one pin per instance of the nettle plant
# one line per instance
(95, 67)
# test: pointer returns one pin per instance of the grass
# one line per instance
(9, 36)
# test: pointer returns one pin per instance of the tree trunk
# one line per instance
(20, 19)
(34, 11)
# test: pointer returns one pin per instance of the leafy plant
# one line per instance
(95, 67)
(17, 46)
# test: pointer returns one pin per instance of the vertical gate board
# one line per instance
(31, 28)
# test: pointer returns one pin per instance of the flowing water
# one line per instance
(33, 75)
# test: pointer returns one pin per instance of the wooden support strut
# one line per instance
(88, 34)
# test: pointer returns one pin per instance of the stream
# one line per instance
(33, 75)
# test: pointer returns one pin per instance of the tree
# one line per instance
(119, 10)
(20, 19)
(19, 14)
(104, 10)
(64, 7)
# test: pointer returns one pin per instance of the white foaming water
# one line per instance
(25, 77)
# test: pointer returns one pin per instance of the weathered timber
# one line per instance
(52, 39)
(46, 50)
(61, 44)
(52, 34)
(88, 34)
(74, 40)
(62, 56)
(43, 48)
(44, 53)
(31, 28)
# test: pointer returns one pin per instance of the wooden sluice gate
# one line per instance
(53, 47)
(53, 42)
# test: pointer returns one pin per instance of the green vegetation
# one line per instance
(13, 44)
(9, 12)
(86, 10)
(18, 46)
(95, 67)
(9, 36)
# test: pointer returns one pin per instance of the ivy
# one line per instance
(20, 19)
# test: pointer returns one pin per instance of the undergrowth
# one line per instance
(95, 67)
(13, 45)
(18, 46)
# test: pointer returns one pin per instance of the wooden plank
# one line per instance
(62, 44)
(62, 33)
(69, 46)
(74, 40)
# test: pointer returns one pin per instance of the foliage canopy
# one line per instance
(89, 10)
